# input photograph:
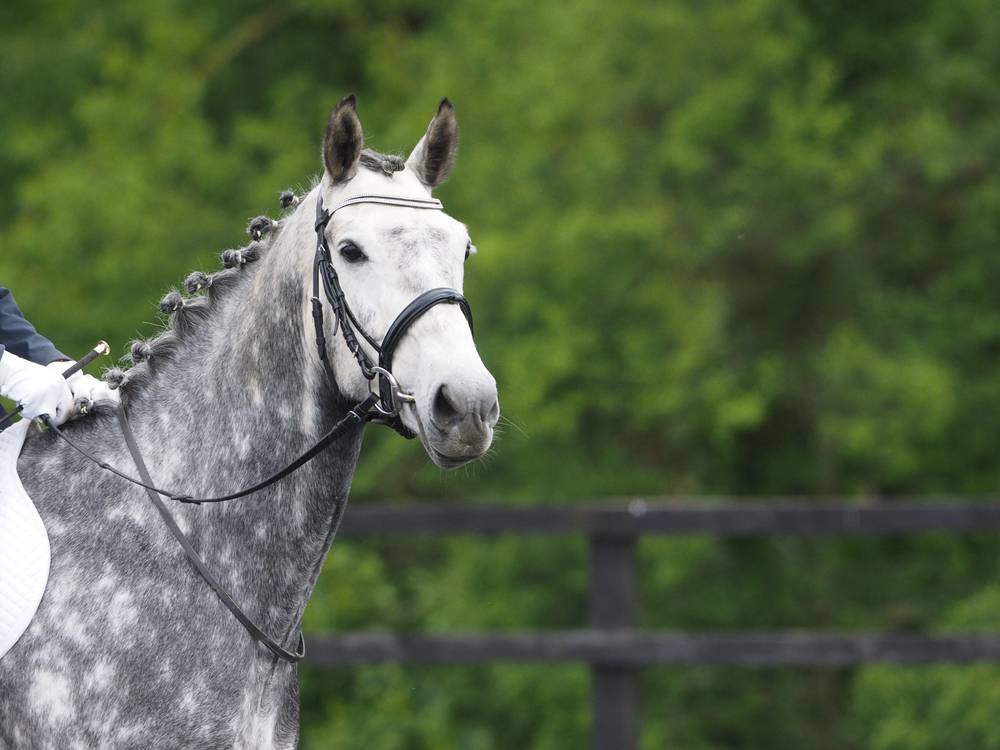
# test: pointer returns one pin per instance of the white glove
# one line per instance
(36, 388)
(86, 389)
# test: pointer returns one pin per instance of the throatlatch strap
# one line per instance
(199, 564)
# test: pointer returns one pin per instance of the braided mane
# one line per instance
(187, 312)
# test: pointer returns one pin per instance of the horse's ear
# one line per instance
(343, 141)
(432, 158)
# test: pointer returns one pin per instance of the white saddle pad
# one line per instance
(24, 545)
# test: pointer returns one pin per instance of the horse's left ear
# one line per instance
(432, 158)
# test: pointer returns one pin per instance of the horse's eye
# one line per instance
(469, 249)
(351, 252)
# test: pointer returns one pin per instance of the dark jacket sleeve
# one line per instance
(20, 337)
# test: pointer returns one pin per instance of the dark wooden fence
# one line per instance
(613, 647)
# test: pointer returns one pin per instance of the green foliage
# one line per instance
(725, 248)
(926, 708)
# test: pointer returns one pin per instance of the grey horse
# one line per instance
(130, 647)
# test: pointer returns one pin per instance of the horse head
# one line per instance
(387, 253)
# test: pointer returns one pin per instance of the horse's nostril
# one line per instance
(446, 412)
(494, 413)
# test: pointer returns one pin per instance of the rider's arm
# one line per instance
(19, 337)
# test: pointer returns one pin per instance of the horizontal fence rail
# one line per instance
(639, 648)
(611, 645)
(680, 516)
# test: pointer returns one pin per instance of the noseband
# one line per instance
(391, 396)
(381, 407)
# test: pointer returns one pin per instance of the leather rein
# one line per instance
(383, 407)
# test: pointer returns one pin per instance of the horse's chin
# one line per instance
(446, 461)
(441, 448)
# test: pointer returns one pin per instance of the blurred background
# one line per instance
(740, 248)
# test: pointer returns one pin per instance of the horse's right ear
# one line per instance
(343, 141)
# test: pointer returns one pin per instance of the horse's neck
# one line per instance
(237, 401)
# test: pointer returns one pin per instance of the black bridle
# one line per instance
(383, 407)
(391, 396)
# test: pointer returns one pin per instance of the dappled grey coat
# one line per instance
(130, 647)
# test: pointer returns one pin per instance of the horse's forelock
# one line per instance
(386, 164)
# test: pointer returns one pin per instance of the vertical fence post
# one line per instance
(614, 603)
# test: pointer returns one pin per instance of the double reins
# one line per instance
(383, 407)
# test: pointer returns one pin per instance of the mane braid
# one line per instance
(387, 164)
(187, 314)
